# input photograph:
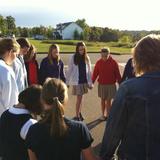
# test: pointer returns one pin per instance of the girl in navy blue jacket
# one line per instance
(52, 65)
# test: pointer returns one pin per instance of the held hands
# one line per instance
(90, 86)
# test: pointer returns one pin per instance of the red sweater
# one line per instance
(106, 71)
(32, 71)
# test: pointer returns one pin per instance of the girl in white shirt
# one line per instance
(79, 76)
(8, 87)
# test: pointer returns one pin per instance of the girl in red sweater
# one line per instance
(107, 71)
(31, 66)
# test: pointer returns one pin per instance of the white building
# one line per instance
(67, 30)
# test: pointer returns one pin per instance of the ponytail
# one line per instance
(54, 94)
(58, 126)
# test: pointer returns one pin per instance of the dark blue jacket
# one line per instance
(134, 120)
(128, 71)
(55, 70)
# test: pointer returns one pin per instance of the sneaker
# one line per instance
(81, 117)
(103, 118)
(76, 118)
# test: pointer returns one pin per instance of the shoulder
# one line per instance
(36, 128)
(80, 130)
(26, 127)
(71, 57)
(113, 61)
(99, 61)
(130, 60)
(88, 57)
(3, 70)
(45, 60)
(76, 125)
(3, 66)
(130, 84)
(6, 72)
(36, 133)
(17, 62)
(61, 62)
(4, 115)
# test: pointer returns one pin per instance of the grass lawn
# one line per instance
(69, 46)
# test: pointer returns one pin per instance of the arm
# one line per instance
(115, 125)
(117, 73)
(89, 73)
(88, 154)
(69, 70)
(6, 89)
(62, 73)
(42, 71)
(37, 67)
(1, 138)
(27, 69)
(32, 155)
(95, 73)
(125, 73)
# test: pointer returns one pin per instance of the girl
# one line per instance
(56, 137)
(15, 122)
(52, 65)
(107, 71)
(79, 75)
(19, 65)
(128, 70)
(31, 65)
(8, 87)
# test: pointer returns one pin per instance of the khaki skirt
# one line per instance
(80, 89)
(106, 91)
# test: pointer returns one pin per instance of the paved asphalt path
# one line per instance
(91, 103)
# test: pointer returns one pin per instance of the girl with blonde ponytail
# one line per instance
(55, 137)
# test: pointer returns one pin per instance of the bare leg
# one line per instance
(108, 106)
(78, 105)
(103, 106)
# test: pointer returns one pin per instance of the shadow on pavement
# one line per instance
(93, 123)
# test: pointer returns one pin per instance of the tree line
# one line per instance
(8, 27)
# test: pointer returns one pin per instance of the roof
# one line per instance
(62, 26)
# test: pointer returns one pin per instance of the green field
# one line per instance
(69, 46)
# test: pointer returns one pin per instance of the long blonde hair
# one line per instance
(54, 93)
(53, 46)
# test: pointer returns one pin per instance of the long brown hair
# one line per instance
(77, 56)
(31, 54)
(23, 42)
(50, 57)
(54, 93)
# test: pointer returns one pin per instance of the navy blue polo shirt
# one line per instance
(50, 148)
(12, 146)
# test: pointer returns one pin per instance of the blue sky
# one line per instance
(116, 14)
